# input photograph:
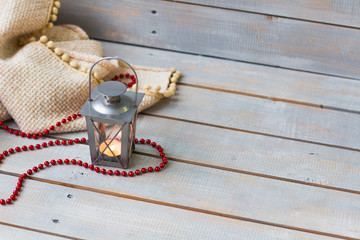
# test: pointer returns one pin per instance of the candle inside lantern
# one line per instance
(115, 147)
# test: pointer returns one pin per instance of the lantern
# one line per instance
(110, 114)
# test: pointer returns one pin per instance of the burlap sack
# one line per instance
(45, 78)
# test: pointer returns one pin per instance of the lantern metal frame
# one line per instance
(118, 107)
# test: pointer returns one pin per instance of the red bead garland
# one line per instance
(127, 75)
(54, 162)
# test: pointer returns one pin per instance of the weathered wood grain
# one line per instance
(8, 232)
(341, 12)
(219, 32)
(262, 116)
(90, 215)
(207, 189)
(251, 79)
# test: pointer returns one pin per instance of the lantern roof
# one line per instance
(111, 101)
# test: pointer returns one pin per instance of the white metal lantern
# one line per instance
(110, 114)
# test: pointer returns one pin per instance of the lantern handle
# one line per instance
(122, 61)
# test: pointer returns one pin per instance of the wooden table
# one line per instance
(255, 151)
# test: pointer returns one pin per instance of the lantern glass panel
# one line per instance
(108, 141)
(132, 136)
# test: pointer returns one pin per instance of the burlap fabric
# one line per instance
(44, 69)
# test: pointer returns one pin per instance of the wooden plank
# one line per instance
(90, 215)
(261, 116)
(9, 232)
(340, 12)
(250, 153)
(255, 80)
(211, 190)
(219, 32)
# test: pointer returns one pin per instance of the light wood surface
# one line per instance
(16, 232)
(337, 12)
(222, 33)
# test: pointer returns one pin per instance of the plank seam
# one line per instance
(39, 231)
(183, 207)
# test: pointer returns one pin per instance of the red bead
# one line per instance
(160, 149)
(29, 172)
(1, 156)
(51, 143)
(24, 175)
(1, 123)
(79, 115)
(162, 165)
(8, 201)
(79, 163)
(41, 135)
(46, 131)
(15, 192)
(5, 153)
(158, 146)
(137, 172)
(142, 141)
(124, 173)
(165, 162)
(70, 142)
(127, 75)
(136, 140)
(11, 150)
(66, 161)
(17, 133)
(24, 148)
(6, 128)
(148, 141)
(121, 75)
(31, 147)
(13, 197)
(60, 161)
(74, 116)
(28, 135)
(153, 144)
(44, 144)
(117, 172)
(37, 146)
(91, 167)
(18, 188)
(57, 142)
(58, 124)
(76, 140)
(157, 169)
(41, 166)
(63, 142)
(150, 169)
(131, 173)
(63, 120)
(17, 149)
(52, 127)
(85, 165)
(11, 130)
(97, 169)
(129, 84)
(2, 201)
(143, 170)
(34, 136)
(73, 161)
(46, 163)
(22, 134)
(132, 76)
(162, 154)
(110, 172)
(116, 77)
(103, 171)
(53, 162)
(133, 82)
(83, 140)
(69, 118)
(20, 179)
(35, 169)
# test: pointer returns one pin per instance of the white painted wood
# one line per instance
(274, 83)
(90, 215)
(203, 188)
(13, 233)
(341, 12)
(218, 32)
(260, 115)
